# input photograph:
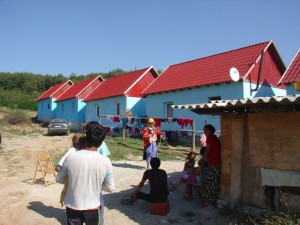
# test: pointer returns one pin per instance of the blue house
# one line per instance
(119, 97)
(46, 102)
(291, 77)
(252, 71)
(70, 104)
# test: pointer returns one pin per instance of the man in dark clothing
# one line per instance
(158, 185)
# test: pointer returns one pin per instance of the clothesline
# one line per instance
(127, 121)
(143, 120)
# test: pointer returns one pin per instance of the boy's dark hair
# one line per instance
(95, 134)
(155, 163)
(210, 127)
(202, 150)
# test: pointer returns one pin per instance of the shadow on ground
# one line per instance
(181, 210)
(48, 211)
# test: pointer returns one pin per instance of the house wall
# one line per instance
(107, 107)
(156, 104)
(46, 114)
(291, 90)
(73, 110)
(264, 90)
(141, 85)
(137, 106)
(89, 89)
(269, 72)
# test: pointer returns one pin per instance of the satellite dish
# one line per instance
(234, 74)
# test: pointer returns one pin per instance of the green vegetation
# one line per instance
(19, 90)
(242, 217)
(17, 121)
(282, 218)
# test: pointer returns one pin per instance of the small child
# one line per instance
(78, 142)
(197, 176)
(189, 166)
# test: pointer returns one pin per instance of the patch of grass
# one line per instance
(238, 216)
(279, 218)
(18, 122)
(132, 148)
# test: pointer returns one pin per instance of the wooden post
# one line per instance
(123, 135)
(194, 136)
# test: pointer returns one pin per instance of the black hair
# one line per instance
(191, 153)
(210, 127)
(155, 163)
(95, 134)
(202, 150)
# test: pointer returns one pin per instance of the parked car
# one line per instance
(59, 126)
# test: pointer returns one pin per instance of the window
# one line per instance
(169, 110)
(97, 110)
(62, 108)
(117, 108)
(214, 98)
(73, 106)
(48, 105)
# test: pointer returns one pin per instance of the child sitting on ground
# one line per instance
(196, 177)
(189, 165)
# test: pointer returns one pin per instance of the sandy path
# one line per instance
(24, 203)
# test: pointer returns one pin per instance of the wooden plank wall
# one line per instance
(274, 140)
(232, 126)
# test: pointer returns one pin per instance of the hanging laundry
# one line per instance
(116, 119)
(184, 122)
(157, 122)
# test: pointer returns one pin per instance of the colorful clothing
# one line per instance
(214, 157)
(150, 136)
(211, 188)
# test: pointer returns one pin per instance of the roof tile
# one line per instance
(76, 89)
(52, 90)
(207, 70)
(292, 73)
(116, 86)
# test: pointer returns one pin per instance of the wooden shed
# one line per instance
(260, 150)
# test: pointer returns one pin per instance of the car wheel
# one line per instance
(68, 132)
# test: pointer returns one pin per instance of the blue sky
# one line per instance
(76, 36)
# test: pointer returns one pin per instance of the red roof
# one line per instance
(117, 86)
(292, 74)
(76, 89)
(52, 90)
(209, 70)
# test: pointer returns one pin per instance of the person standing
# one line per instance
(211, 186)
(158, 185)
(150, 137)
(89, 173)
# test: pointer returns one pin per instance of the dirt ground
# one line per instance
(22, 202)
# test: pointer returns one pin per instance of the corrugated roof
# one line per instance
(116, 86)
(208, 70)
(292, 74)
(282, 103)
(52, 90)
(76, 89)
